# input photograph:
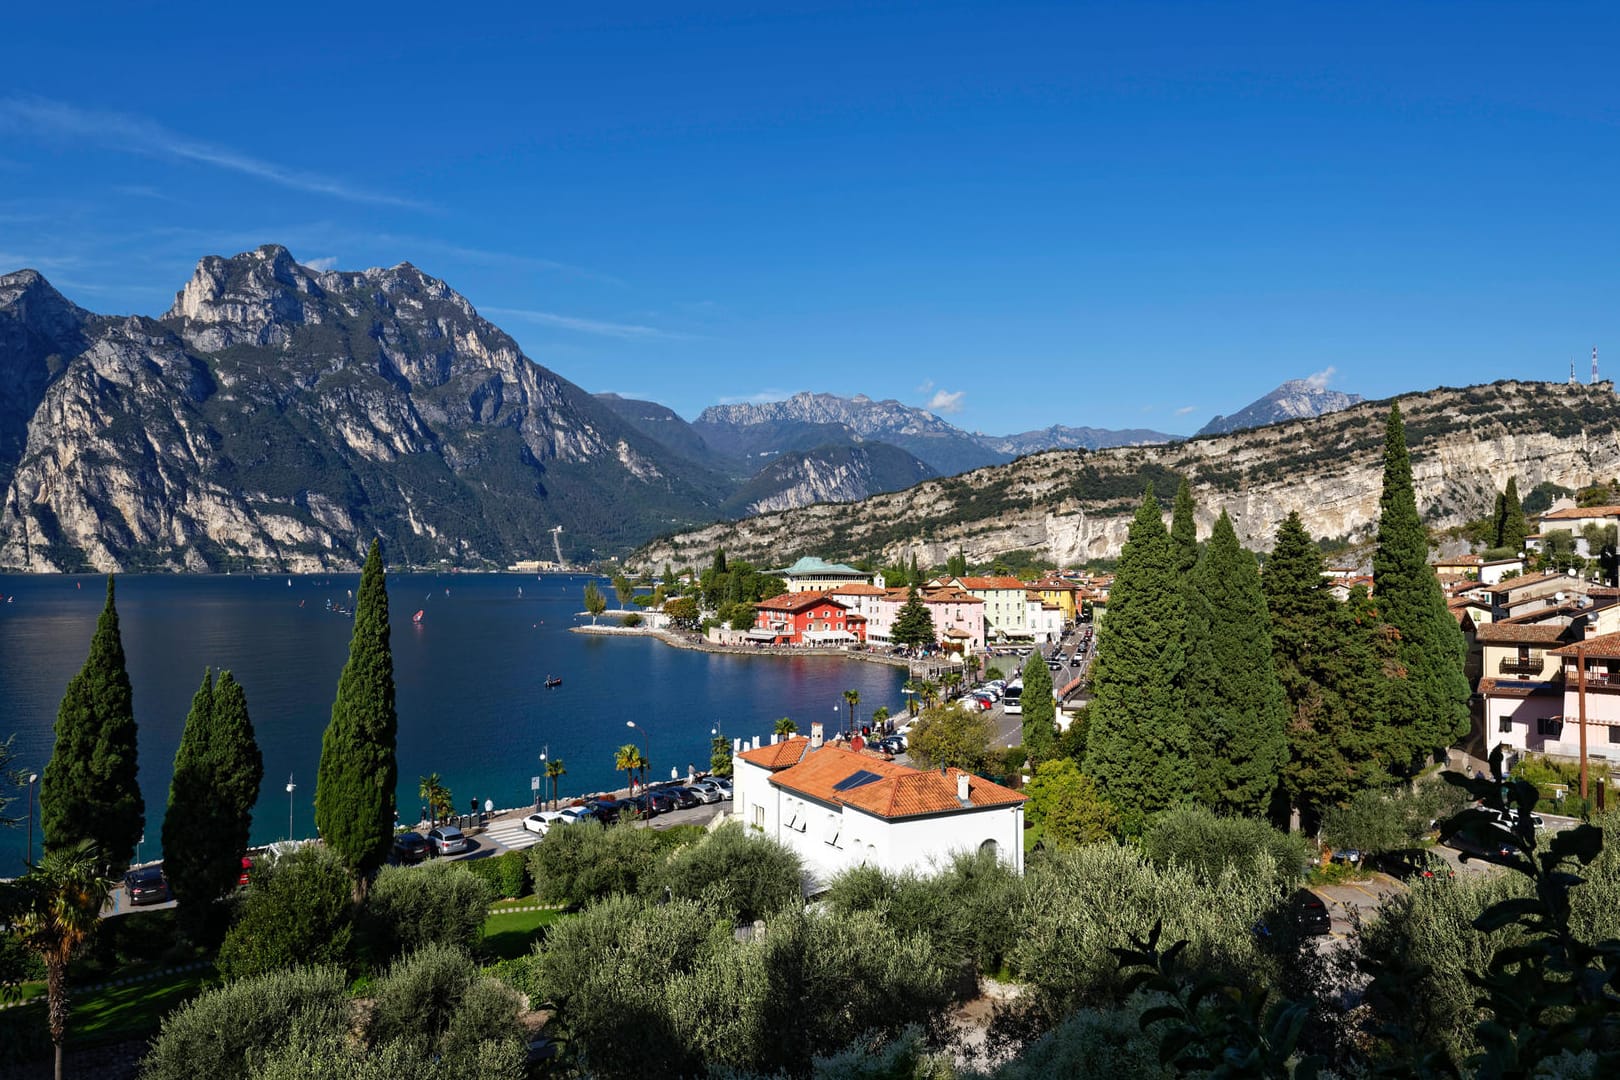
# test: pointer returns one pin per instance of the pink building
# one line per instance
(958, 617)
(1544, 715)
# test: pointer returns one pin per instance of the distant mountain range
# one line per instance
(278, 416)
(1293, 400)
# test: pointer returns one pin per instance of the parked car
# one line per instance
(685, 798)
(660, 802)
(573, 815)
(540, 822)
(1411, 863)
(147, 885)
(707, 790)
(247, 867)
(411, 847)
(724, 785)
(1311, 914)
(447, 840)
(607, 811)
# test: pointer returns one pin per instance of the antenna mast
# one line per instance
(1594, 365)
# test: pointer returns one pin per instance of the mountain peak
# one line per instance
(38, 303)
(1294, 399)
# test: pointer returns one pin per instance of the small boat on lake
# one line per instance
(417, 618)
(553, 681)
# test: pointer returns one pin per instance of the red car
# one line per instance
(247, 864)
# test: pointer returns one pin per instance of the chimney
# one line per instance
(815, 734)
(756, 742)
(1591, 627)
(963, 786)
(774, 738)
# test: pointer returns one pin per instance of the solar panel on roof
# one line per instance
(856, 779)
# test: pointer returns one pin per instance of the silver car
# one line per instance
(447, 840)
(707, 790)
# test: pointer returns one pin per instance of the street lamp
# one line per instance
(543, 752)
(290, 786)
(33, 778)
(646, 754)
(837, 711)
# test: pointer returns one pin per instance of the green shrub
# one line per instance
(576, 864)
(747, 877)
(507, 874)
(436, 994)
(439, 903)
(227, 1032)
(297, 910)
(1205, 843)
(1375, 821)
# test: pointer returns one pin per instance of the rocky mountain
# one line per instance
(1293, 400)
(280, 416)
(829, 474)
(1059, 437)
(1076, 505)
(806, 420)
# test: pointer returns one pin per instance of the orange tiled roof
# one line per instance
(985, 583)
(1575, 513)
(857, 589)
(796, 601)
(778, 755)
(1514, 633)
(1603, 647)
(950, 596)
(899, 791)
(1516, 687)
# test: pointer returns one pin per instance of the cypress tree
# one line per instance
(1184, 530)
(89, 789)
(1513, 528)
(1039, 711)
(1235, 706)
(354, 789)
(1327, 671)
(1137, 745)
(1428, 692)
(719, 560)
(217, 772)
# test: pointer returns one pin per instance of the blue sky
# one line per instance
(1116, 215)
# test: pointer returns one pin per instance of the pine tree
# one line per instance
(217, 772)
(1327, 672)
(916, 573)
(1512, 529)
(1235, 706)
(956, 566)
(89, 789)
(1039, 710)
(354, 790)
(914, 625)
(1428, 693)
(719, 561)
(1184, 530)
(1137, 745)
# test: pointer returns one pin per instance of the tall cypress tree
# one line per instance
(1428, 692)
(1138, 741)
(1512, 528)
(89, 789)
(1183, 529)
(354, 790)
(1235, 706)
(1039, 711)
(217, 772)
(1328, 674)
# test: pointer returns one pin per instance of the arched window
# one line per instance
(988, 847)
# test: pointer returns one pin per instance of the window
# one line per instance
(1505, 725)
(1614, 734)
(793, 818)
(988, 847)
(759, 816)
(1550, 727)
(834, 826)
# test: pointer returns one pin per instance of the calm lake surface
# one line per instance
(470, 677)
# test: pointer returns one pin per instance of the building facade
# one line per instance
(806, 619)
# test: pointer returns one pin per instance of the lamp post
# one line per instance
(543, 778)
(837, 711)
(645, 753)
(290, 786)
(33, 778)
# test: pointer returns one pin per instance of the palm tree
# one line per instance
(436, 796)
(912, 688)
(929, 690)
(853, 697)
(62, 898)
(627, 760)
(951, 679)
(555, 771)
(879, 716)
(972, 663)
(786, 726)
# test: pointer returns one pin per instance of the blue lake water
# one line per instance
(470, 677)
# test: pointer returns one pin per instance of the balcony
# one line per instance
(1522, 665)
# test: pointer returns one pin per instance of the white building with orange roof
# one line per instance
(1006, 613)
(837, 808)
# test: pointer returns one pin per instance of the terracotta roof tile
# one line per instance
(987, 583)
(778, 755)
(797, 602)
(857, 589)
(1518, 687)
(898, 790)
(1516, 633)
(1575, 513)
(1604, 646)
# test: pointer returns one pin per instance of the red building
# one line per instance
(807, 618)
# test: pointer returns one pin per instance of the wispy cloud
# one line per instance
(136, 134)
(1320, 380)
(946, 401)
(325, 262)
(926, 386)
(1185, 409)
(622, 331)
(759, 398)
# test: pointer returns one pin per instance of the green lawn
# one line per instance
(509, 936)
(126, 1012)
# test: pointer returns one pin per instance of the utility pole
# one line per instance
(1580, 682)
